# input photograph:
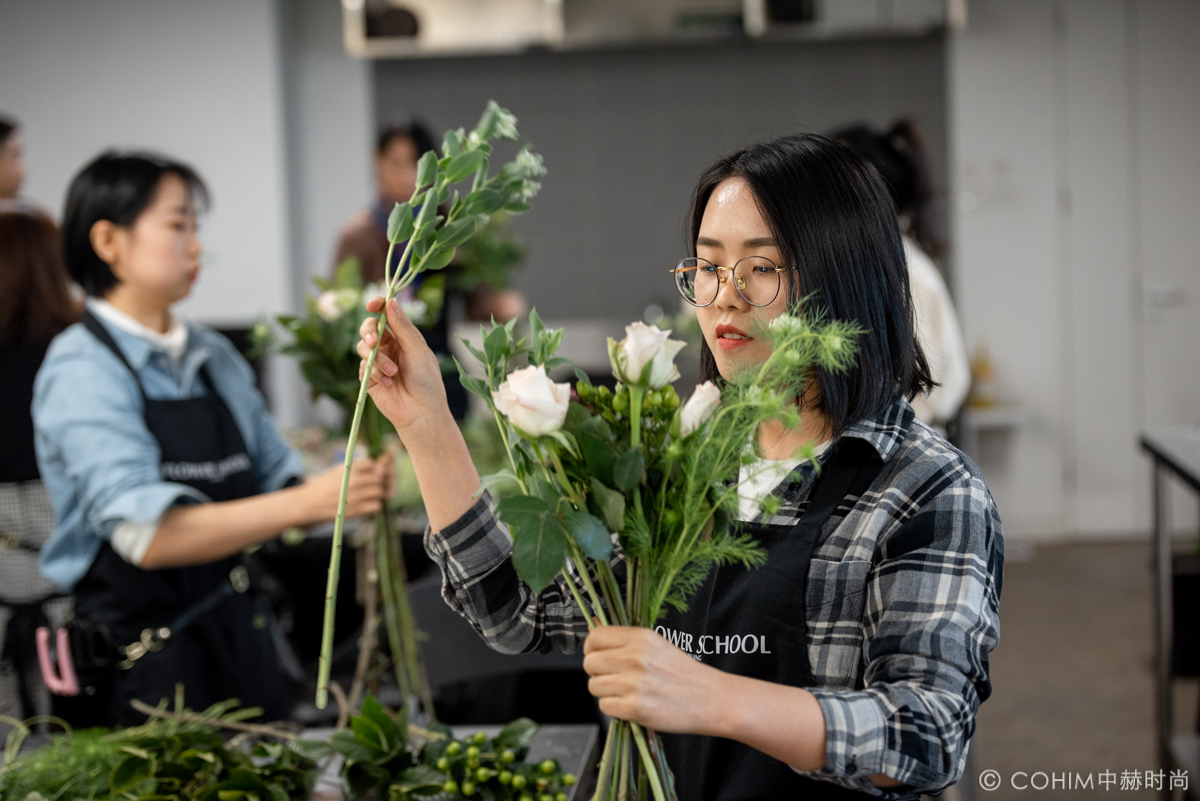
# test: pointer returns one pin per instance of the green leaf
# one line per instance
(608, 503)
(456, 233)
(495, 344)
(345, 743)
(596, 446)
(417, 777)
(349, 276)
(486, 201)
(425, 215)
(539, 487)
(373, 711)
(463, 165)
(536, 326)
(277, 793)
(399, 225)
(427, 167)
(539, 540)
(628, 470)
(590, 535)
(439, 258)
(517, 734)
(517, 207)
(452, 142)
(498, 479)
(130, 771)
(370, 734)
(474, 351)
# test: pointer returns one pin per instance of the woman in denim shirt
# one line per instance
(159, 455)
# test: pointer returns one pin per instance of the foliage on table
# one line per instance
(636, 463)
(386, 759)
(323, 342)
(429, 242)
(163, 759)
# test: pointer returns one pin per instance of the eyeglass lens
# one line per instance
(755, 278)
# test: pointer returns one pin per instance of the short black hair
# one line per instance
(7, 126)
(115, 186)
(410, 128)
(834, 220)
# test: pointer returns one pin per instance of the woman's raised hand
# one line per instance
(406, 381)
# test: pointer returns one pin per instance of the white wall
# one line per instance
(1075, 157)
(198, 81)
(330, 127)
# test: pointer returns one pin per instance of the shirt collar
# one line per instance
(886, 431)
(142, 341)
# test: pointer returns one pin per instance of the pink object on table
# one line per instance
(68, 682)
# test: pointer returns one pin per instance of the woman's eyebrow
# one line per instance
(760, 242)
(708, 243)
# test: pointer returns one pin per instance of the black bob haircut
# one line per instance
(833, 219)
(116, 186)
(7, 126)
(412, 129)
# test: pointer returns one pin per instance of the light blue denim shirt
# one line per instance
(98, 460)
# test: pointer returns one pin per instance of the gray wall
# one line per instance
(626, 133)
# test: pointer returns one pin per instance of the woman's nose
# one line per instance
(727, 289)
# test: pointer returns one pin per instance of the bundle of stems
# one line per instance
(627, 497)
(435, 221)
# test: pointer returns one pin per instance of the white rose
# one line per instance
(644, 345)
(327, 305)
(699, 408)
(532, 402)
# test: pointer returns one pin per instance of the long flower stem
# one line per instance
(325, 662)
(602, 779)
(648, 762)
(391, 609)
(579, 600)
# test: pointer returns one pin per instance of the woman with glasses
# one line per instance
(884, 566)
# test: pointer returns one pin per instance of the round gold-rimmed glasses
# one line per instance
(756, 278)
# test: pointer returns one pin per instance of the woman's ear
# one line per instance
(107, 240)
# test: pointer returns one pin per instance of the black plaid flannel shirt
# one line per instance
(902, 603)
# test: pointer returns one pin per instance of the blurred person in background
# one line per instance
(12, 160)
(397, 149)
(160, 457)
(900, 156)
(35, 305)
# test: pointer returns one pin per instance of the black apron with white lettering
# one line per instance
(225, 648)
(753, 623)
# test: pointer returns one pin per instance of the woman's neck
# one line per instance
(777, 441)
(153, 315)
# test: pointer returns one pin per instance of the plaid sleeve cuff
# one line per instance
(855, 739)
(472, 545)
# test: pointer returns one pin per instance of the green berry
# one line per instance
(472, 751)
(620, 403)
(454, 749)
(560, 797)
(545, 797)
(568, 779)
(518, 781)
(506, 756)
(543, 783)
(468, 788)
(472, 762)
(548, 766)
(480, 738)
(505, 777)
(483, 774)
(443, 764)
(450, 786)
(526, 797)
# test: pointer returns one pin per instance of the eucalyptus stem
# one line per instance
(578, 558)
(623, 783)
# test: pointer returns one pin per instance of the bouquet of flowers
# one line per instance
(636, 474)
(429, 242)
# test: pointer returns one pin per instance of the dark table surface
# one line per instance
(1178, 447)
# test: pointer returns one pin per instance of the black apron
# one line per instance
(753, 623)
(222, 646)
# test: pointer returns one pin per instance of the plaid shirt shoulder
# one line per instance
(902, 605)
